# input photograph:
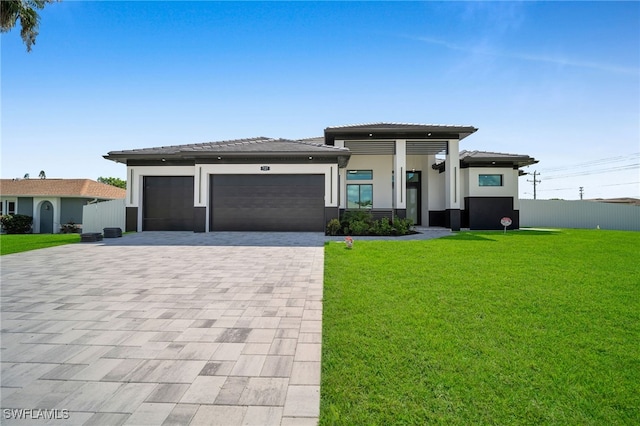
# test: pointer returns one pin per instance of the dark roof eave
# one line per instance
(514, 161)
(422, 134)
(262, 154)
(123, 158)
(409, 129)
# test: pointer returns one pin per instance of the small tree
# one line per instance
(113, 181)
(42, 175)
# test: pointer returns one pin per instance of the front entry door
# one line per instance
(414, 202)
(46, 218)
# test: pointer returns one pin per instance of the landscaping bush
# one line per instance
(16, 224)
(333, 227)
(360, 222)
(356, 222)
(402, 226)
(359, 227)
(382, 227)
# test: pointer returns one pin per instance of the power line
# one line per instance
(591, 163)
(597, 171)
(620, 184)
(555, 189)
(592, 186)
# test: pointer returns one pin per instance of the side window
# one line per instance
(11, 207)
(490, 180)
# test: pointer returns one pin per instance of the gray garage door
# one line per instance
(168, 203)
(267, 203)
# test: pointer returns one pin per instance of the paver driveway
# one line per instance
(164, 328)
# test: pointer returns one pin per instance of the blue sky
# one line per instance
(559, 81)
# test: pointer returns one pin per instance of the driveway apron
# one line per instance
(164, 328)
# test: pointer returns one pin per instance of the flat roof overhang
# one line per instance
(514, 162)
(420, 132)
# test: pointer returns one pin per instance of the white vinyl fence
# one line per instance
(108, 214)
(579, 214)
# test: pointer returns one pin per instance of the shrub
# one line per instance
(333, 227)
(69, 228)
(402, 226)
(16, 224)
(356, 222)
(382, 227)
(359, 227)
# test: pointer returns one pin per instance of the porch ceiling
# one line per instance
(387, 147)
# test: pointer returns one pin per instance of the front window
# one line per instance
(359, 174)
(7, 207)
(359, 196)
(490, 180)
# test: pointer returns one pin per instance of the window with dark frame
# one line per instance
(11, 207)
(490, 180)
(359, 196)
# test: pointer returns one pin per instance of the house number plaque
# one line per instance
(265, 168)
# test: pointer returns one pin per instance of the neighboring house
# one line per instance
(265, 184)
(53, 202)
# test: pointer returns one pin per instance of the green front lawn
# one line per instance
(25, 242)
(530, 327)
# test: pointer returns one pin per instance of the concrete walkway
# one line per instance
(164, 328)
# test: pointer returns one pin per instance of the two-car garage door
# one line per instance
(237, 203)
(267, 203)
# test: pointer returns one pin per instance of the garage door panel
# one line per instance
(168, 203)
(267, 202)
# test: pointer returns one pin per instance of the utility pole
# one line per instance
(535, 181)
(581, 191)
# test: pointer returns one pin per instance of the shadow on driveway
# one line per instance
(188, 238)
(253, 239)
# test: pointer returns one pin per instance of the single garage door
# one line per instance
(267, 203)
(167, 203)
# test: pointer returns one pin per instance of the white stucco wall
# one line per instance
(509, 186)
(382, 166)
(435, 191)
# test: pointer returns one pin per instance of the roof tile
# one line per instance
(85, 188)
(254, 145)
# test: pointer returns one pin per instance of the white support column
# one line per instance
(452, 184)
(132, 188)
(199, 187)
(400, 171)
(340, 184)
